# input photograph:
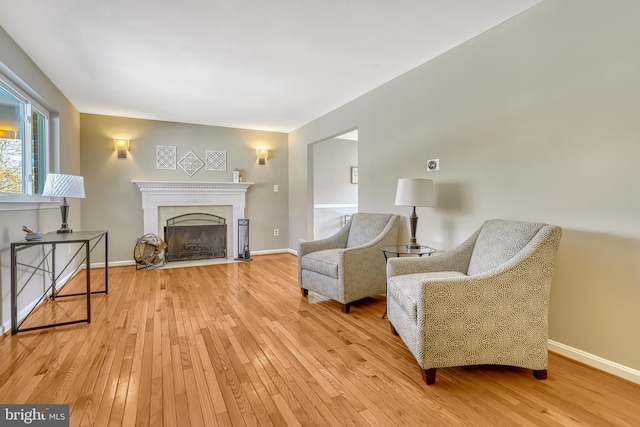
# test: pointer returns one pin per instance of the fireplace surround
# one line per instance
(156, 194)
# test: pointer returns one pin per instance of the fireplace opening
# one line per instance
(195, 236)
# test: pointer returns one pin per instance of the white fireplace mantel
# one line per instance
(191, 193)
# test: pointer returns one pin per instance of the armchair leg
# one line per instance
(429, 376)
(393, 330)
(346, 307)
(540, 374)
(304, 292)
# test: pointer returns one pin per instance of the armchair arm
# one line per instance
(364, 265)
(338, 240)
(456, 259)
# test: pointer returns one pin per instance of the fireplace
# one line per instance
(193, 196)
(195, 236)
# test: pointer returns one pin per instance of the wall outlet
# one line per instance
(276, 232)
(433, 165)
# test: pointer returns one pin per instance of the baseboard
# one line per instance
(275, 251)
(111, 264)
(271, 252)
(594, 361)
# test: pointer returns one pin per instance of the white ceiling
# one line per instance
(257, 64)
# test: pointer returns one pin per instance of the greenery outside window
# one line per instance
(24, 138)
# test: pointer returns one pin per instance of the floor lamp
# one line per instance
(414, 192)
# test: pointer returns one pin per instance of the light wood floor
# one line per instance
(236, 344)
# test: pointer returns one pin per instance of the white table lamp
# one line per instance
(414, 192)
(60, 185)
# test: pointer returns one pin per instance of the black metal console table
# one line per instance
(88, 240)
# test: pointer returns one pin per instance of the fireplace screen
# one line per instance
(195, 236)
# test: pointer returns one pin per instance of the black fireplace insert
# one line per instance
(195, 236)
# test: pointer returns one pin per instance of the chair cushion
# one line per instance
(365, 227)
(404, 289)
(323, 262)
(498, 242)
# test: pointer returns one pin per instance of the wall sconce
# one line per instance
(7, 134)
(263, 155)
(122, 146)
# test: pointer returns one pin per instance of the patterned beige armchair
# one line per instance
(484, 302)
(349, 265)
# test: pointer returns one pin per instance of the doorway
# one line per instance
(335, 182)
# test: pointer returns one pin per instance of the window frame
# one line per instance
(36, 107)
(27, 199)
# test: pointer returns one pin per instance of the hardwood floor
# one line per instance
(236, 344)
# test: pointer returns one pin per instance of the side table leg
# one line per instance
(386, 258)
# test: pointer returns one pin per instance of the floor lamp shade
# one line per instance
(414, 192)
(61, 185)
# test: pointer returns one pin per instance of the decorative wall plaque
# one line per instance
(216, 160)
(166, 157)
(190, 163)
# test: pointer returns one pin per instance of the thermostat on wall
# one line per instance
(433, 165)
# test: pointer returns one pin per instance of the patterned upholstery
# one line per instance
(349, 265)
(483, 302)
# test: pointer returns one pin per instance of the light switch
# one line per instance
(275, 188)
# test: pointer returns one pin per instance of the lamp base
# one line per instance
(413, 220)
(64, 212)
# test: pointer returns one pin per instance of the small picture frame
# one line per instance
(354, 174)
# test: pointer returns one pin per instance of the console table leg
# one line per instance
(14, 290)
(88, 271)
(53, 271)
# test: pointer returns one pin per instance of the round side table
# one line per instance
(405, 250)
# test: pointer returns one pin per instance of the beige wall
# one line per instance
(536, 119)
(64, 123)
(114, 203)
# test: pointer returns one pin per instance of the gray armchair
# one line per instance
(484, 302)
(349, 265)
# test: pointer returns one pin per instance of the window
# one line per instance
(24, 135)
